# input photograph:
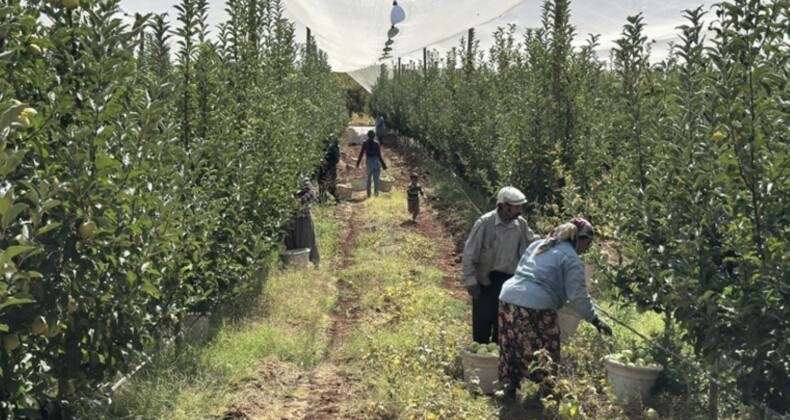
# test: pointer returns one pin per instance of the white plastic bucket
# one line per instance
(299, 258)
(631, 383)
(480, 371)
(357, 134)
(568, 320)
(385, 186)
(359, 184)
(589, 271)
(345, 192)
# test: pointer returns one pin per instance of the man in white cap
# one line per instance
(492, 251)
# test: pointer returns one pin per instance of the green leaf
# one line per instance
(4, 328)
(49, 205)
(11, 161)
(12, 212)
(104, 161)
(6, 201)
(10, 115)
(150, 289)
(13, 251)
(15, 302)
(46, 228)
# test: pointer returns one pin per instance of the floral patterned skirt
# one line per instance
(522, 332)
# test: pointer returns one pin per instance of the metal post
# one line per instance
(424, 61)
(470, 59)
(307, 42)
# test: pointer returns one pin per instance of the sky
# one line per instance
(351, 28)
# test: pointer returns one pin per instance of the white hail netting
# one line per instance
(353, 32)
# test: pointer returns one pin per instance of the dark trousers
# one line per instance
(485, 308)
(327, 181)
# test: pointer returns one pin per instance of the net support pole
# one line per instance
(469, 42)
(308, 41)
(424, 61)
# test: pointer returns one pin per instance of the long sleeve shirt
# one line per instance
(306, 197)
(371, 148)
(332, 156)
(548, 280)
(494, 245)
(413, 192)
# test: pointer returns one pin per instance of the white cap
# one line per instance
(510, 195)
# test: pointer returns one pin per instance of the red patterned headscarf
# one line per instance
(571, 231)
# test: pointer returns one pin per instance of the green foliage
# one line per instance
(356, 97)
(135, 189)
(695, 208)
(683, 163)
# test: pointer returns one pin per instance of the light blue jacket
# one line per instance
(548, 280)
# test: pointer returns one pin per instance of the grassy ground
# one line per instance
(287, 324)
(361, 119)
(375, 332)
(406, 350)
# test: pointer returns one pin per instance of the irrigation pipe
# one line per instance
(148, 359)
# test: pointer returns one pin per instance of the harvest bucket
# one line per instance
(569, 323)
(385, 186)
(296, 257)
(345, 192)
(480, 371)
(631, 383)
(359, 184)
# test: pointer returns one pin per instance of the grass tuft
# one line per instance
(288, 324)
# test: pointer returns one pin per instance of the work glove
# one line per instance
(474, 290)
(601, 326)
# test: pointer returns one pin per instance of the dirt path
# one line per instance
(431, 225)
(329, 385)
(283, 391)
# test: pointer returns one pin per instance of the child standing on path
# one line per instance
(413, 193)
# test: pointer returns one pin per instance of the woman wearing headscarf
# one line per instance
(302, 231)
(549, 274)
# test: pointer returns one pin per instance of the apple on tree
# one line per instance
(87, 229)
(10, 342)
(39, 326)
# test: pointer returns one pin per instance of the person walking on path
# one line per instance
(327, 177)
(381, 126)
(549, 274)
(491, 253)
(413, 193)
(301, 233)
(374, 162)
